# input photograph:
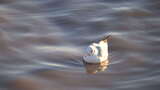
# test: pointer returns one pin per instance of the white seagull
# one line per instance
(97, 54)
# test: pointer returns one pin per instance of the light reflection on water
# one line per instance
(42, 42)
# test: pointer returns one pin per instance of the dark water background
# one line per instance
(41, 44)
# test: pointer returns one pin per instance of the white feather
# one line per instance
(96, 52)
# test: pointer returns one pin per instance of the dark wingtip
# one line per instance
(106, 38)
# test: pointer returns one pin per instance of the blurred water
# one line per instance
(41, 44)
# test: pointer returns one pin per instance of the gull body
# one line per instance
(96, 52)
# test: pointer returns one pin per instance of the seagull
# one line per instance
(96, 56)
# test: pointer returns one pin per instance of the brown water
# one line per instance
(41, 44)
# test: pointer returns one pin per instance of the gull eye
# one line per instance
(93, 51)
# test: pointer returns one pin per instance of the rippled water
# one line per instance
(41, 44)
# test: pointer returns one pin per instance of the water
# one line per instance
(41, 44)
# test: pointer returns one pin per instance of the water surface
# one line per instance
(41, 44)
